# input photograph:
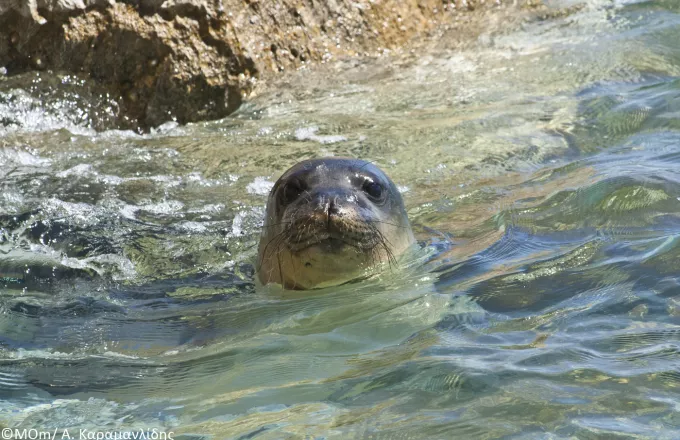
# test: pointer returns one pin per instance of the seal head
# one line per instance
(329, 221)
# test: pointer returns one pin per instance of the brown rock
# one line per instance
(195, 59)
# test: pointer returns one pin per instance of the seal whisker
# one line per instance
(272, 225)
(390, 255)
(309, 195)
(387, 223)
(278, 259)
(277, 239)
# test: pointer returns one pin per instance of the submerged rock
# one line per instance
(193, 60)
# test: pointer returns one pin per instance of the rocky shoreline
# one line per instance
(192, 60)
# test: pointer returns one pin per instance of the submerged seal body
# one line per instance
(329, 221)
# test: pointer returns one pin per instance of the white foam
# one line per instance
(83, 213)
(246, 221)
(163, 208)
(309, 134)
(208, 209)
(260, 186)
(82, 170)
(237, 225)
(111, 180)
(33, 115)
(10, 201)
(12, 156)
(166, 128)
(195, 227)
(129, 211)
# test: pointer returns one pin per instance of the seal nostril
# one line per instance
(308, 264)
(333, 208)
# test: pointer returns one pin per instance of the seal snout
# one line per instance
(332, 216)
(332, 210)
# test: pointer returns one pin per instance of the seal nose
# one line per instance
(329, 204)
(332, 207)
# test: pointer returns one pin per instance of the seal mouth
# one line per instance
(331, 241)
(331, 231)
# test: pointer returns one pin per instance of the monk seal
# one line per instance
(329, 221)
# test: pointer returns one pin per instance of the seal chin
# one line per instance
(325, 263)
(327, 244)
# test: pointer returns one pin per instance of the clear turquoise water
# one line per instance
(540, 164)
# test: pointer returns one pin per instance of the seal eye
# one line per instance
(291, 191)
(373, 189)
